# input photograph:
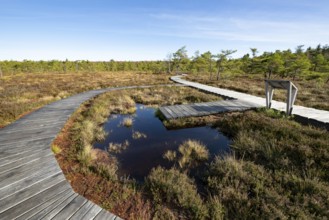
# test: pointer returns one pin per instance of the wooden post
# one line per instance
(269, 90)
(289, 99)
(294, 95)
(267, 95)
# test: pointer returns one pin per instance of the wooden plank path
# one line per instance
(32, 185)
(205, 108)
(313, 115)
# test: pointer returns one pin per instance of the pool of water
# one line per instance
(144, 153)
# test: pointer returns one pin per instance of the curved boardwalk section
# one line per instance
(312, 115)
(32, 185)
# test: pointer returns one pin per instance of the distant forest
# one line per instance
(283, 64)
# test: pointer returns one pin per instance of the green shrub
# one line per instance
(107, 170)
(244, 189)
(176, 190)
(216, 209)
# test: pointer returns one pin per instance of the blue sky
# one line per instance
(150, 29)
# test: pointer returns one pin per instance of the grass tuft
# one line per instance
(55, 149)
(118, 147)
(87, 155)
(192, 153)
(170, 155)
(138, 135)
(127, 122)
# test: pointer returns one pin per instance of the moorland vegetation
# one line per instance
(277, 167)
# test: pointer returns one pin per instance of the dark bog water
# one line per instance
(143, 154)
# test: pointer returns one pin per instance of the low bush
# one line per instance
(176, 190)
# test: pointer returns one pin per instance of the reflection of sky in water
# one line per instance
(144, 154)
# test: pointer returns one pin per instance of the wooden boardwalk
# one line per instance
(205, 108)
(32, 185)
(312, 115)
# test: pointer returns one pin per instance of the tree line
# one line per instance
(284, 63)
(57, 66)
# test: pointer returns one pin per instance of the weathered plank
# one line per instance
(51, 210)
(25, 166)
(202, 109)
(20, 173)
(176, 111)
(172, 113)
(28, 135)
(24, 146)
(6, 156)
(51, 214)
(21, 141)
(71, 208)
(79, 214)
(9, 212)
(20, 196)
(91, 214)
(104, 215)
(13, 162)
(42, 207)
(33, 178)
(190, 110)
(165, 113)
(30, 127)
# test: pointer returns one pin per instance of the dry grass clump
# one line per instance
(191, 153)
(87, 155)
(118, 147)
(127, 122)
(170, 155)
(124, 105)
(138, 135)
